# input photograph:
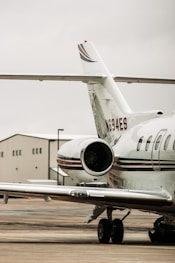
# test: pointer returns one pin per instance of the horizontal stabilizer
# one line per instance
(85, 78)
(144, 80)
(60, 77)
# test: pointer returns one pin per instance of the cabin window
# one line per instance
(174, 145)
(148, 143)
(139, 143)
(167, 142)
(158, 142)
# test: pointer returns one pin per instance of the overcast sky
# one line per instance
(134, 37)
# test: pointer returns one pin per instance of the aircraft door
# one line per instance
(155, 155)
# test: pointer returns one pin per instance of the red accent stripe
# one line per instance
(83, 51)
(68, 163)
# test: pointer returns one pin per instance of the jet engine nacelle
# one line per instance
(93, 155)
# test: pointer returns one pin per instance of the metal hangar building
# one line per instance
(25, 158)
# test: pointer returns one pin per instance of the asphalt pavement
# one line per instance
(32, 230)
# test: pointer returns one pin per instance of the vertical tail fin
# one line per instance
(110, 108)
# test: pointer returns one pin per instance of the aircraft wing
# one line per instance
(97, 196)
(85, 78)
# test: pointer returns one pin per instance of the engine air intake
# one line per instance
(97, 158)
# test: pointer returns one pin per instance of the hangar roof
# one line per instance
(51, 136)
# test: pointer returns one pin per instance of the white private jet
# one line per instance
(136, 152)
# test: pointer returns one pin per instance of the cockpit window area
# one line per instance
(140, 143)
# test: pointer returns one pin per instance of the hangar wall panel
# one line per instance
(23, 158)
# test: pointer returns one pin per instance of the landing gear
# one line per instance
(117, 231)
(104, 231)
(162, 233)
(108, 228)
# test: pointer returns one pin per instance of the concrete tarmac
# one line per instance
(32, 230)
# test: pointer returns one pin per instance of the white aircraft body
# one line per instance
(135, 151)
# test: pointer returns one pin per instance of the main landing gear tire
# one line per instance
(117, 231)
(104, 231)
(161, 233)
(107, 230)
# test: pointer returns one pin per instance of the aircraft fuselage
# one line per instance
(145, 157)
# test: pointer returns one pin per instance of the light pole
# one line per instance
(58, 146)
